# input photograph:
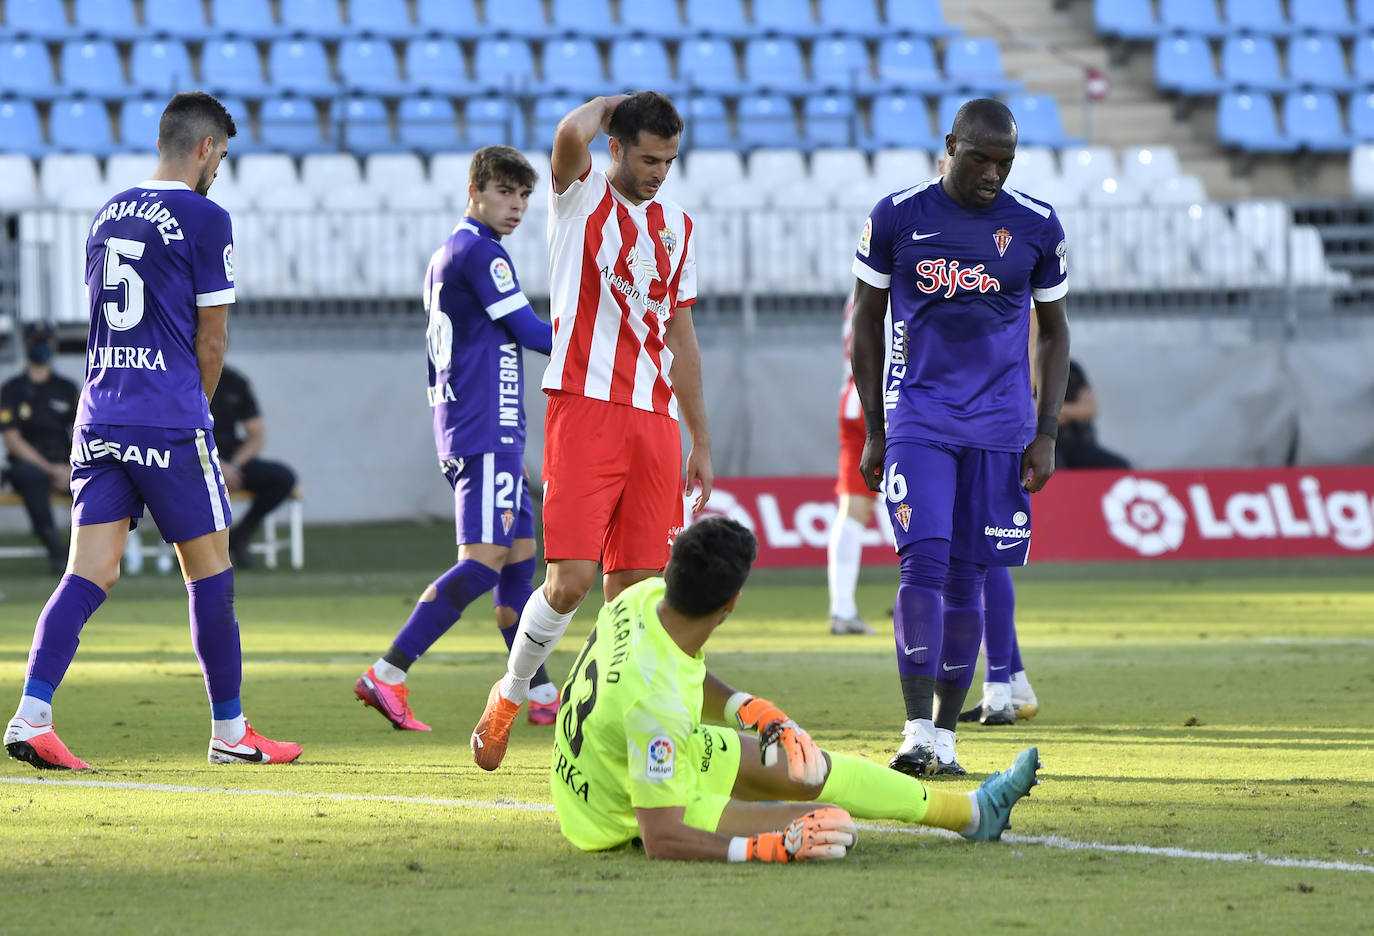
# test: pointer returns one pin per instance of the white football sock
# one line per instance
(541, 627)
(34, 711)
(972, 826)
(1020, 682)
(229, 730)
(996, 695)
(544, 694)
(391, 675)
(843, 557)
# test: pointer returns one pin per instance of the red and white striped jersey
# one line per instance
(617, 273)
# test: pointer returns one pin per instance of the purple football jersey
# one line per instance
(961, 286)
(476, 374)
(156, 253)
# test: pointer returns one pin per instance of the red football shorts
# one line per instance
(612, 483)
(850, 480)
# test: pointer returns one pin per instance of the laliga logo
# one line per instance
(1142, 515)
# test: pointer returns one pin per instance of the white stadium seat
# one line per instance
(1362, 170)
(124, 170)
(1149, 163)
(448, 173)
(270, 175)
(714, 167)
(323, 172)
(350, 198)
(834, 170)
(65, 172)
(1085, 167)
(1264, 225)
(776, 170)
(1113, 192)
(1175, 190)
(897, 169)
(1033, 166)
(18, 182)
(393, 171)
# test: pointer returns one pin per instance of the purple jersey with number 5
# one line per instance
(961, 286)
(476, 371)
(156, 254)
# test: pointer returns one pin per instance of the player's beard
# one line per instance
(203, 183)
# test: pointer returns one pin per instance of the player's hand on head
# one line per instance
(825, 833)
(1037, 463)
(612, 102)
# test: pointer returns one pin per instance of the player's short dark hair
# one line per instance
(983, 116)
(501, 162)
(708, 566)
(645, 110)
(190, 117)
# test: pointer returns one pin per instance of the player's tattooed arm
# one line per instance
(212, 335)
(681, 339)
(1052, 377)
(571, 141)
(870, 308)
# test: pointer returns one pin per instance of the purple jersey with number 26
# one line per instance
(961, 286)
(155, 254)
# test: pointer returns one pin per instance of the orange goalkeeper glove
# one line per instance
(828, 832)
(805, 762)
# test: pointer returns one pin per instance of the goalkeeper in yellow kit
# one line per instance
(632, 758)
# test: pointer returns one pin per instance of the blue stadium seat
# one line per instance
(1257, 16)
(1184, 64)
(829, 120)
(517, 18)
(706, 123)
(945, 110)
(901, 120)
(591, 18)
(20, 131)
(36, 19)
(1126, 19)
(243, 142)
(175, 18)
(80, 125)
(1191, 16)
(138, 120)
(1249, 122)
(232, 66)
(1362, 55)
(489, 120)
(362, 125)
(300, 66)
(1317, 61)
(389, 18)
(1312, 119)
(26, 69)
(572, 65)
(456, 19)
(549, 109)
(1038, 121)
(108, 19)
(369, 65)
(1361, 117)
(427, 124)
(708, 64)
(785, 17)
(975, 64)
(1251, 62)
(652, 19)
(1364, 13)
(93, 68)
(921, 17)
(852, 18)
(773, 63)
(503, 64)
(436, 64)
(1332, 16)
(291, 125)
(907, 63)
(641, 62)
(842, 62)
(319, 19)
(717, 17)
(251, 19)
(767, 120)
(160, 66)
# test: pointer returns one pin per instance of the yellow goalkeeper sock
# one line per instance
(870, 791)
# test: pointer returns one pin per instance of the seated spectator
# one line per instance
(1077, 446)
(239, 436)
(37, 409)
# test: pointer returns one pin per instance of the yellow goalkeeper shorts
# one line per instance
(714, 753)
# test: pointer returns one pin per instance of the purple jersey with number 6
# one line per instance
(961, 286)
(155, 254)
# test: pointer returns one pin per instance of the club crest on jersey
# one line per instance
(903, 515)
(507, 520)
(501, 276)
(669, 240)
(945, 276)
(1002, 238)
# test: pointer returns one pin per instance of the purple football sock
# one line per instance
(999, 623)
(59, 628)
(215, 636)
(918, 616)
(963, 632)
(456, 589)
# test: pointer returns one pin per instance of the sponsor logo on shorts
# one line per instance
(659, 765)
(93, 449)
(122, 358)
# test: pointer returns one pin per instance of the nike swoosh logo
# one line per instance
(477, 738)
(257, 757)
(911, 650)
(537, 643)
(1012, 545)
(915, 236)
(996, 667)
(949, 669)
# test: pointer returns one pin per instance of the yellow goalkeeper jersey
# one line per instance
(630, 707)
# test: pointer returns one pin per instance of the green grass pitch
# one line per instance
(1213, 709)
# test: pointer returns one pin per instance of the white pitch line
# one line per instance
(1048, 841)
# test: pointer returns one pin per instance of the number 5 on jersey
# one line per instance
(118, 249)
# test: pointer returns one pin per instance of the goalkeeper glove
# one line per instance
(805, 762)
(828, 832)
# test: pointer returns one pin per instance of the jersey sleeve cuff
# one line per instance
(218, 297)
(871, 276)
(1051, 293)
(685, 303)
(499, 310)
